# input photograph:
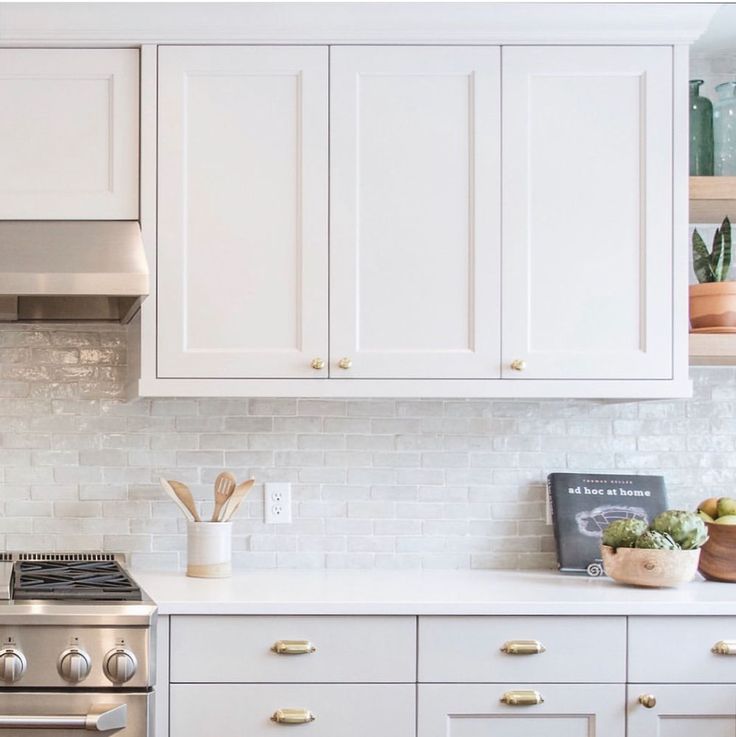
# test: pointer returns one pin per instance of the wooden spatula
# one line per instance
(224, 487)
(186, 498)
(169, 489)
(232, 504)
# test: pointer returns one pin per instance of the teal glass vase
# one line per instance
(724, 131)
(701, 132)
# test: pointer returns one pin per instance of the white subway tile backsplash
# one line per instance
(386, 484)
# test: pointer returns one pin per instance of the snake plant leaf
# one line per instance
(716, 255)
(701, 259)
(726, 249)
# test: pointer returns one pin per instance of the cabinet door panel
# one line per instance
(572, 710)
(242, 241)
(69, 134)
(587, 214)
(415, 173)
(683, 711)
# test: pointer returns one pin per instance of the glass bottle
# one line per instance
(701, 132)
(724, 131)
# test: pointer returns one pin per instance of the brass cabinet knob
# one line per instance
(293, 647)
(292, 716)
(518, 365)
(345, 363)
(318, 363)
(724, 647)
(647, 700)
(522, 698)
(522, 647)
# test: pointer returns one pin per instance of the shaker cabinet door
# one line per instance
(681, 711)
(69, 134)
(587, 213)
(473, 710)
(242, 232)
(415, 205)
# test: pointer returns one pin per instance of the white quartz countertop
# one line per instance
(446, 592)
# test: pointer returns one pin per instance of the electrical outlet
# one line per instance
(277, 504)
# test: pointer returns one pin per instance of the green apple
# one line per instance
(705, 516)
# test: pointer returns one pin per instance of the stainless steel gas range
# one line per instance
(77, 644)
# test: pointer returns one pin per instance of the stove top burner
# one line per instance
(82, 580)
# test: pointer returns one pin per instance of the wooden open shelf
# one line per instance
(712, 198)
(713, 349)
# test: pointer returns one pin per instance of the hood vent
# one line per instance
(71, 270)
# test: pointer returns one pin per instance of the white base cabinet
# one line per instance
(448, 676)
(475, 710)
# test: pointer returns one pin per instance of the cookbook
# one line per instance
(582, 505)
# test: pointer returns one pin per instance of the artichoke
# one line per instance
(685, 528)
(623, 533)
(654, 540)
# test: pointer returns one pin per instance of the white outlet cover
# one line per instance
(277, 503)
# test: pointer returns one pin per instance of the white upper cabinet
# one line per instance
(415, 212)
(69, 134)
(587, 212)
(242, 218)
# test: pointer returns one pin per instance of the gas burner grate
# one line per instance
(72, 579)
(64, 556)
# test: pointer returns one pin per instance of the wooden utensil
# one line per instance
(232, 504)
(169, 489)
(185, 496)
(224, 487)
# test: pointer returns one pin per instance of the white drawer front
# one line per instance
(347, 649)
(468, 649)
(476, 710)
(230, 710)
(680, 650)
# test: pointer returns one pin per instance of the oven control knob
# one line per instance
(12, 665)
(74, 665)
(120, 665)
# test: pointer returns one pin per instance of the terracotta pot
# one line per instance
(713, 305)
(718, 559)
(655, 568)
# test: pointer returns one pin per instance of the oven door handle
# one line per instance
(100, 718)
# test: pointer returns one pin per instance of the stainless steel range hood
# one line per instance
(71, 270)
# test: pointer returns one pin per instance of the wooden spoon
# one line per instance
(224, 487)
(232, 504)
(185, 496)
(169, 489)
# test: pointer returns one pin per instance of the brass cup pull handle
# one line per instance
(345, 363)
(518, 364)
(648, 701)
(724, 647)
(318, 364)
(293, 647)
(522, 698)
(523, 647)
(292, 716)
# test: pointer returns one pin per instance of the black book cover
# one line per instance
(583, 504)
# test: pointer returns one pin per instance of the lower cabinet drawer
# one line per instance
(246, 710)
(682, 649)
(475, 710)
(571, 649)
(336, 649)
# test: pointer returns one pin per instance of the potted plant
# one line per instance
(713, 299)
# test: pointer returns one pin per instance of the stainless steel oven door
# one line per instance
(73, 714)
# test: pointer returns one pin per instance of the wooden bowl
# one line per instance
(718, 559)
(656, 568)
